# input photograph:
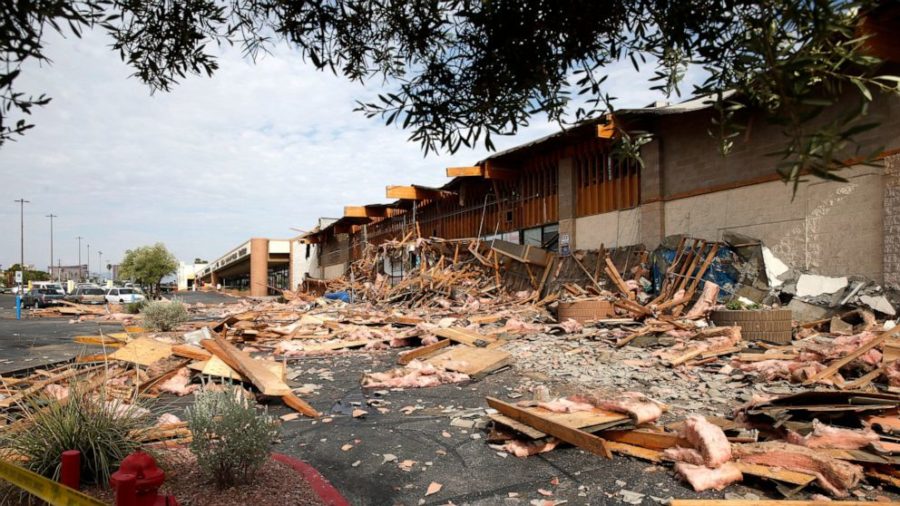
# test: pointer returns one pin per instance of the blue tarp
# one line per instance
(721, 271)
(344, 296)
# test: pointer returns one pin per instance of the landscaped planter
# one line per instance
(583, 311)
(771, 325)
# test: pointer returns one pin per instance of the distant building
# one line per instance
(186, 277)
(65, 273)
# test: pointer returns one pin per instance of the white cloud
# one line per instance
(253, 151)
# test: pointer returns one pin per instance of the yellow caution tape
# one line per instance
(54, 493)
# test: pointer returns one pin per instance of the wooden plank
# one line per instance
(299, 405)
(415, 193)
(364, 212)
(99, 341)
(475, 171)
(37, 387)
(525, 430)
(647, 439)
(774, 473)
(837, 364)
(339, 345)
(579, 438)
(253, 370)
(635, 451)
(422, 351)
(476, 362)
(464, 336)
(190, 351)
(759, 357)
(216, 367)
(143, 351)
(864, 380)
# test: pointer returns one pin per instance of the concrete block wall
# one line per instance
(891, 226)
(612, 230)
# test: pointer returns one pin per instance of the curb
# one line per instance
(322, 487)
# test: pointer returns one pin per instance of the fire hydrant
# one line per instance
(138, 480)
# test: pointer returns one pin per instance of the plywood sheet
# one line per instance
(476, 362)
(143, 351)
(216, 367)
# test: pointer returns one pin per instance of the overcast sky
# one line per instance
(253, 151)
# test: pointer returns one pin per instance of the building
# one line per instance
(258, 267)
(569, 191)
(65, 273)
(186, 276)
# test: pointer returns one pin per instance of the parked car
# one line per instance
(123, 295)
(88, 295)
(49, 285)
(41, 297)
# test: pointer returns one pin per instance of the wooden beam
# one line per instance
(579, 438)
(343, 229)
(837, 364)
(492, 171)
(422, 351)
(250, 368)
(365, 212)
(414, 193)
(475, 171)
(607, 130)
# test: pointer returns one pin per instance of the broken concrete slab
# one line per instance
(878, 303)
(811, 285)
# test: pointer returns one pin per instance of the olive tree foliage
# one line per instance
(147, 265)
(460, 72)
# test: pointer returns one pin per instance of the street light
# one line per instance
(100, 264)
(80, 272)
(89, 262)
(22, 203)
(51, 216)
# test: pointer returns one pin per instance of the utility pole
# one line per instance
(80, 272)
(89, 262)
(22, 203)
(100, 264)
(51, 216)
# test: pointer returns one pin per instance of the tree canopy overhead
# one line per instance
(457, 72)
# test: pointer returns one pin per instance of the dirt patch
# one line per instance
(276, 484)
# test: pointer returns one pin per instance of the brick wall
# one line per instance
(891, 227)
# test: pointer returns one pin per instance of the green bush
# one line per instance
(135, 307)
(164, 315)
(101, 431)
(231, 438)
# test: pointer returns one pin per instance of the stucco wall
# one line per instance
(333, 271)
(614, 229)
(829, 228)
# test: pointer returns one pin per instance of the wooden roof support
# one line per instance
(415, 193)
(365, 212)
(492, 171)
(475, 171)
(607, 130)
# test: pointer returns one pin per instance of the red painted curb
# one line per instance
(322, 487)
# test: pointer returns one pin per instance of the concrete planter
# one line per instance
(771, 325)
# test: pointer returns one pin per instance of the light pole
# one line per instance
(51, 216)
(89, 262)
(22, 203)
(80, 272)
(100, 264)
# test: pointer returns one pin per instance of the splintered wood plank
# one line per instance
(143, 351)
(464, 336)
(524, 429)
(39, 386)
(774, 473)
(476, 362)
(647, 439)
(837, 364)
(252, 369)
(339, 345)
(299, 405)
(579, 438)
(191, 352)
(422, 351)
(216, 367)
(635, 451)
(99, 341)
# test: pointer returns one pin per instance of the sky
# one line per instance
(257, 150)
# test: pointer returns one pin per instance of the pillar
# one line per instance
(567, 212)
(891, 222)
(259, 267)
(652, 224)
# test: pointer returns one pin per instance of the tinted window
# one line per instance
(126, 291)
(93, 291)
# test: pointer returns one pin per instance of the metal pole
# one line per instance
(80, 273)
(22, 203)
(89, 262)
(51, 216)
(100, 264)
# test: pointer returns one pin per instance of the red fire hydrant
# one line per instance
(138, 480)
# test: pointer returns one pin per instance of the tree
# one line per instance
(458, 72)
(147, 265)
(29, 274)
(198, 260)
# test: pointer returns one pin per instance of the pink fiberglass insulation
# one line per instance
(566, 406)
(689, 455)
(826, 436)
(178, 384)
(416, 374)
(527, 448)
(638, 406)
(703, 478)
(835, 476)
(708, 439)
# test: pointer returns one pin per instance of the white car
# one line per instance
(123, 295)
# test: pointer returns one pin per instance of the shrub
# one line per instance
(231, 438)
(101, 431)
(164, 315)
(135, 307)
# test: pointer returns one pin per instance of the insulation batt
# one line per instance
(826, 436)
(892, 371)
(705, 303)
(57, 392)
(689, 455)
(571, 326)
(416, 374)
(638, 406)
(708, 439)
(835, 476)
(566, 406)
(178, 384)
(703, 478)
(525, 449)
